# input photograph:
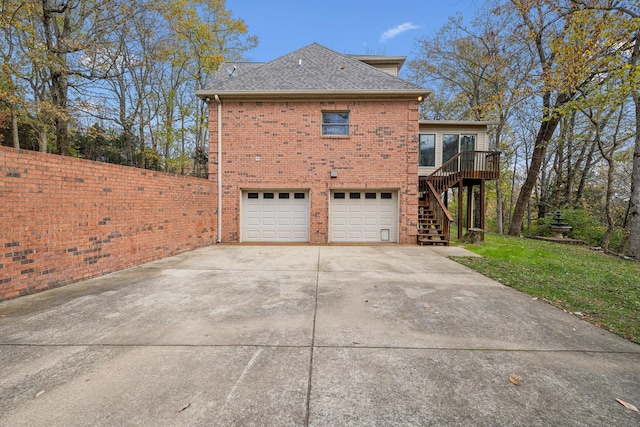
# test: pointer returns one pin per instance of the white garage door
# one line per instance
(275, 216)
(364, 216)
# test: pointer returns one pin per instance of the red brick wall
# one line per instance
(380, 153)
(65, 219)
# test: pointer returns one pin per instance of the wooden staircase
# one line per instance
(466, 168)
(430, 230)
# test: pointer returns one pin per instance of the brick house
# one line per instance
(320, 147)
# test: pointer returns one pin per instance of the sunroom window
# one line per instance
(335, 123)
(452, 144)
(427, 150)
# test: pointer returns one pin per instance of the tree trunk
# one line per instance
(559, 167)
(14, 126)
(586, 170)
(529, 184)
(542, 195)
(62, 136)
(124, 119)
(607, 206)
(572, 177)
(57, 69)
(499, 206)
(547, 128)
(550, 120)
(634, 202)
(43, 139)
(625, 230)
(143, 155)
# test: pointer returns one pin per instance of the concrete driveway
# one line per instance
(307, 335)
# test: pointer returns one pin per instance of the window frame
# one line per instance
(433, 149)
(327, 124)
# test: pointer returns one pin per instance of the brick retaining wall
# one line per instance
(65, 219)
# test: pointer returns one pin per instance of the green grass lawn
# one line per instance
(605, 289)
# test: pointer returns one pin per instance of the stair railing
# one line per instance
(443, 216)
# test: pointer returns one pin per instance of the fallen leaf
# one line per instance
(627, 405)
(515, 379)
(184, 407)
(427, 308)
(38, 394)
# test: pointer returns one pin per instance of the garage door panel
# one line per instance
(253, 234)
(371, 235)
(284, 221)
(283, 218)
(371, 221)
(253, 221)
(268, 234)
(354, 221)
(268, 221)
(339, 235)
(355, 235)
(363, 218)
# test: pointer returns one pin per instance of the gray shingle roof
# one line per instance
(314, 68)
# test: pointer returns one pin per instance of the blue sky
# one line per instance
(376, 27)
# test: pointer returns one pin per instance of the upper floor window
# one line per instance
(335, 123)
(427, 150)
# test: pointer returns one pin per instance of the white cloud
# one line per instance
(392, 32)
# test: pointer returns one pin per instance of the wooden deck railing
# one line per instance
(465, 164)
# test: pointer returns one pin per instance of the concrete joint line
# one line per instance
(313, 346)
(313, 342)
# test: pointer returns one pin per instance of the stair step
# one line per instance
(431, 233)
(432, 242)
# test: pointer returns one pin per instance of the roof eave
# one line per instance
(418, 94)
(460, 122)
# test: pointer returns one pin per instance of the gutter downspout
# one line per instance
(217, 98)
